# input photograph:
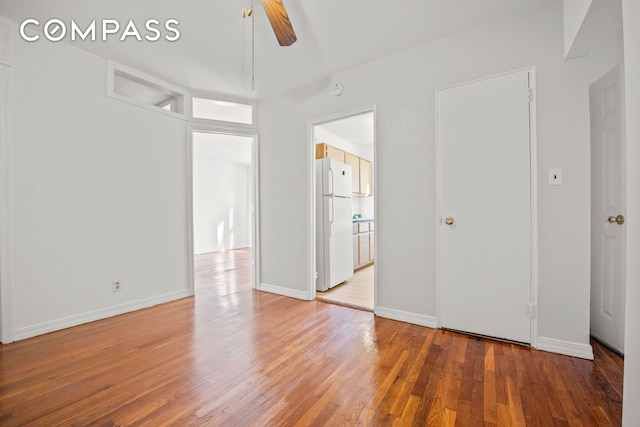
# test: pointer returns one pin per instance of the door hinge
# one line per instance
(531, 311)
(530, 95)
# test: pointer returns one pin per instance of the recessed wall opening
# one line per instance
(223, 212)
(130, 85)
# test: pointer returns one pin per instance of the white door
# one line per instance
(608, 189)
(484, 254)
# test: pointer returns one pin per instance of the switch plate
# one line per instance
(555, 176)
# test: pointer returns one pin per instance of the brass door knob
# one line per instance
(449, 220)
(618, 219)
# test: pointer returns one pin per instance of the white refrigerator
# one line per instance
(334, 230)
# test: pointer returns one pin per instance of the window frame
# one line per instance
(222, 98)
(179, 93)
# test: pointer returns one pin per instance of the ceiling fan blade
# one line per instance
(280, 22)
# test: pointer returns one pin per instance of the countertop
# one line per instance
(362, 219)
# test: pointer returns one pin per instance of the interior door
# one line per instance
(484, 248)
(608, 189)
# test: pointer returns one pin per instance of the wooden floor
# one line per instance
(234, 356)
(356, 292)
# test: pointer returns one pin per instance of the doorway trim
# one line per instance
(255, 197)
(533, 182)
(311, 195)
(7, 332)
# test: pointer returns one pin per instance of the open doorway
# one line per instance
(224, 220)
(344, 147)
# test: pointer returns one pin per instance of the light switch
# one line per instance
(555, 176)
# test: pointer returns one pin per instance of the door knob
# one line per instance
(449, 220)
(619, 219)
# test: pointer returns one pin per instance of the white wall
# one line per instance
(574, 14)
(606, 52)
(403, 87)
(100, 194)
(631, 409)
(220, 202)
(5, 37)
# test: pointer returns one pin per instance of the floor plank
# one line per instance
(356, 292)
(233, 356)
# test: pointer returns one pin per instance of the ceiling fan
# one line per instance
(280, 23)
(279, 20)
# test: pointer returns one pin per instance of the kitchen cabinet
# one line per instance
(363, 250)
(363, 245)
(366, 178)
(354, 162)
(326, 150)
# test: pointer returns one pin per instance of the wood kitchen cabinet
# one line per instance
(363, 243)
(366, 178)
(356, 247)
(363, 239)
(326, 150)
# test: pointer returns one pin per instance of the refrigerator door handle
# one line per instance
(331, 189)
(332, 215)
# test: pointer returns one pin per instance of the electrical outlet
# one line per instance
(117, 285)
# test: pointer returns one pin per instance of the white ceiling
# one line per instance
(333, 35)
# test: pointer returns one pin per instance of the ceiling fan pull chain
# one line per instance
(244, 15)
(253, 50)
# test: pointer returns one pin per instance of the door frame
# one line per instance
(311, 195)
(533, 180)
(255, 197)
(6, 210)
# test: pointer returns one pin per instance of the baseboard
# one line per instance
(606, 344)
(568, 348)
(68, 322)
(287, 292)
(405, 316)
